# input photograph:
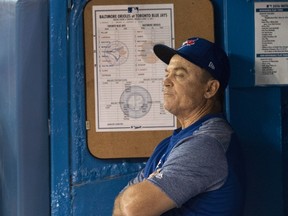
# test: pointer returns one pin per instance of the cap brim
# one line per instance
(164, 52)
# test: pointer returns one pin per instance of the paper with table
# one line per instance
(128, 76)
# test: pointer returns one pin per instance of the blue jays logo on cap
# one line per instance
(189, 42)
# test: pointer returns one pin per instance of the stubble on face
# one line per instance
(183, 87)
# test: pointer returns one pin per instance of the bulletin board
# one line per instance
(191, 18)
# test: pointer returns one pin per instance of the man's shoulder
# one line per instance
(216, 125)
(217, 129)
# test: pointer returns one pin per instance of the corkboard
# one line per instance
(191, 18)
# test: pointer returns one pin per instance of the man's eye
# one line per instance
(179, 75)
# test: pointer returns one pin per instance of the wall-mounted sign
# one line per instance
(271, 43)
(128, 75)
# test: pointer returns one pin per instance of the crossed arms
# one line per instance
(143, 198)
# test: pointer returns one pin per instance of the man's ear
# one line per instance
(212, 87)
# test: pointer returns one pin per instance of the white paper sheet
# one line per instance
(128, 75)
(271, 43)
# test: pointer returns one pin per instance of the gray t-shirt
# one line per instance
(196, 164)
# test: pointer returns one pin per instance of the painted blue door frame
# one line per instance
(59, 110)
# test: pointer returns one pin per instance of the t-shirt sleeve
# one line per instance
(137, 179)
(197, 164)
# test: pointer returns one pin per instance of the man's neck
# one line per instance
(198, 114)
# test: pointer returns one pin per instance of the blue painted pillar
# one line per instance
(59, 109)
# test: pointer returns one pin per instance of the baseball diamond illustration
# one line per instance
(135, 101)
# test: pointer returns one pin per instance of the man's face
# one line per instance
(184, 87)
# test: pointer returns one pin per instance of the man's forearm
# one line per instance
(142, 199)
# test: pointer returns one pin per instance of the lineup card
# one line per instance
(128, 76)
(271, 43)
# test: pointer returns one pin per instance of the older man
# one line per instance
(198, 169)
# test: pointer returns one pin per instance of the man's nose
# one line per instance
(167, 82)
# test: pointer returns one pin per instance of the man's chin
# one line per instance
(167, 107)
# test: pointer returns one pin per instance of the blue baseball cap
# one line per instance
(202, 53)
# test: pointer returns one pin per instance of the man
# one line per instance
(197, 170)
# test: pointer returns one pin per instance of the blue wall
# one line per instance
(79, 183)
(256, 113)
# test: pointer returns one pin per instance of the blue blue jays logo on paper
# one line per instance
(190, 42)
